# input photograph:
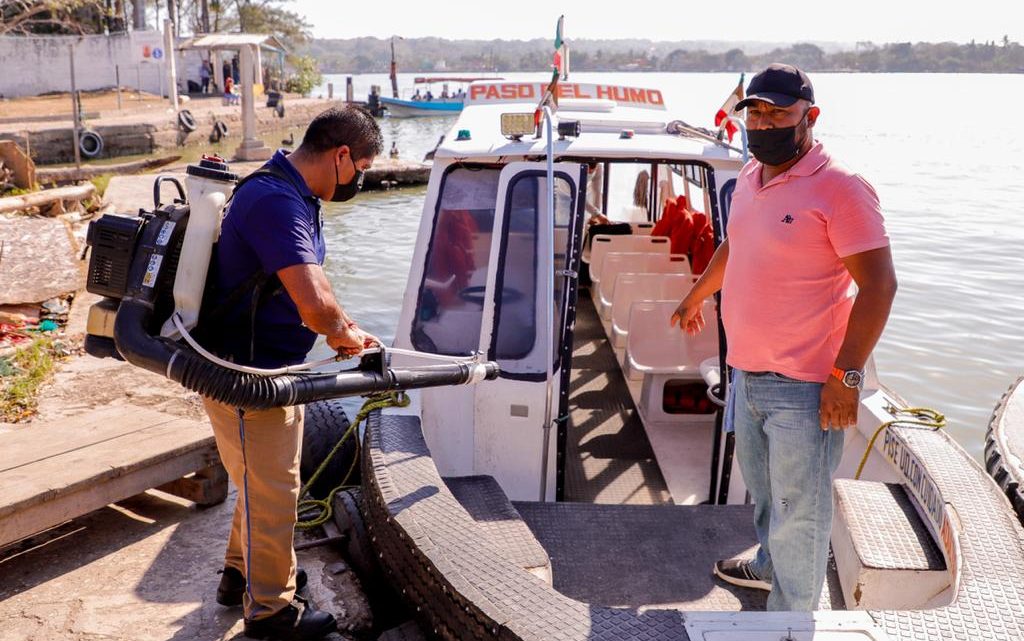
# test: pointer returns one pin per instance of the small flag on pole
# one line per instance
(727, 108)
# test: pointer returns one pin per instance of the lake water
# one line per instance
(945, 155)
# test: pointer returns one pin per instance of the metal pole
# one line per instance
(742, 126)
(117, 81)
(138, 82)
(549, 306)
(74, 106)
(172, 75)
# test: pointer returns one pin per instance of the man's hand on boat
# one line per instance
(351, 341)
(689, 315)
(838, 405)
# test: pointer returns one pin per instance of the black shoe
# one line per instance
(296, 622)
(739, 573)
(232, 585)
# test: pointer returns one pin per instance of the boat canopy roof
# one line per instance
(615, 122)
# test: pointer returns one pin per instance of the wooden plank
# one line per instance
(63, 474)
(38, 517)
(38, 442)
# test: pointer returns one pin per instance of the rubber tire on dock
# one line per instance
(186, 121)
(90, 143)
(996, 461)
(220, 130)
(325, 423)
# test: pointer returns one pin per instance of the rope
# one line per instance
(922, 417)
(322, 507)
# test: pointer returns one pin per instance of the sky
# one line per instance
(879, 21)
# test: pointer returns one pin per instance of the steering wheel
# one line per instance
(475, 294)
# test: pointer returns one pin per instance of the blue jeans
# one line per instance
(787, 462)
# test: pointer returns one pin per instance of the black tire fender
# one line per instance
(996, 460)
(324, 424)
(90, 143)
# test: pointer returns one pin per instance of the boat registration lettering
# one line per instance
(165, 233)
(152, 270)
(897, 451)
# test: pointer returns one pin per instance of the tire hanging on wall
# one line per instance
(90, 143)
(186, 121)
(280, 108)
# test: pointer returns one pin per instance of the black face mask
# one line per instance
(349, 189)
(775, 146)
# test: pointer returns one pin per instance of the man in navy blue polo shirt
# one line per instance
(276, 299)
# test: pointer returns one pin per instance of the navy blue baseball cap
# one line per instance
(779, 85)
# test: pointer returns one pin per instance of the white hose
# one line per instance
(291, 369)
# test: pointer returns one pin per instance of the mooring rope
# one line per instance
(323, 506)
(922, 417)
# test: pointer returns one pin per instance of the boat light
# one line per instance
(463, 135)
(570, 128)
(517, 125)
(626, 134)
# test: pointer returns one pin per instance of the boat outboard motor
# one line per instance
(153, 269)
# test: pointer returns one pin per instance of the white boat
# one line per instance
(586, 493)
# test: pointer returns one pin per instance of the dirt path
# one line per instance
(145, 568)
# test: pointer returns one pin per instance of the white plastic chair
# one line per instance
(617, 263)
(632, 288)
(603, 244)
(658, 352)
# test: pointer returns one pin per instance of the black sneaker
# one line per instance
(232, 585)
(739, 573)
(296, 622)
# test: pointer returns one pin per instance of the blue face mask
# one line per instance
(349, 189)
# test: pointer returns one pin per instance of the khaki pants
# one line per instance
(261, 456)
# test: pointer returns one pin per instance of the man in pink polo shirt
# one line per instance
(802, 230)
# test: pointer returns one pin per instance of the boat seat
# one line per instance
(631, 288)
(662, 355)
(603, 244)
(616, 263)
(884, 552)
(507, 533)
(642, 229)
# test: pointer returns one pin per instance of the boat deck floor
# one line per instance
(608, 456)
(651, 555)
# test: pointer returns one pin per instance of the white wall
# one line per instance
(45, 66)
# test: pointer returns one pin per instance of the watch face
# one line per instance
(852, 378)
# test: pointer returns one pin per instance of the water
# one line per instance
(944, 159)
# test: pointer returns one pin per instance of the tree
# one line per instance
(266, 16)
(55, 17)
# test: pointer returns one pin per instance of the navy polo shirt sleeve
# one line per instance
(280, 232)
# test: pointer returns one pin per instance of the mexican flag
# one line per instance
(727, 107)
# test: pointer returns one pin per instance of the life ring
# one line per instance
(186, 120)
(90, 143)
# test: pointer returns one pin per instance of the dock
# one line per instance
(61, 470)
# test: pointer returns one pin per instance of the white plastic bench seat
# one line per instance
(658, 352)
(603, 244)
(653, 346)
(639, 229)
(616, 263)
(631, 288)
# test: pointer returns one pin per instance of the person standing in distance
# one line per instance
(802, 229)
(272, 301)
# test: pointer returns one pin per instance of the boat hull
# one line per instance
(420, 108)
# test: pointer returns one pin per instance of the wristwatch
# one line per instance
(852, 378)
